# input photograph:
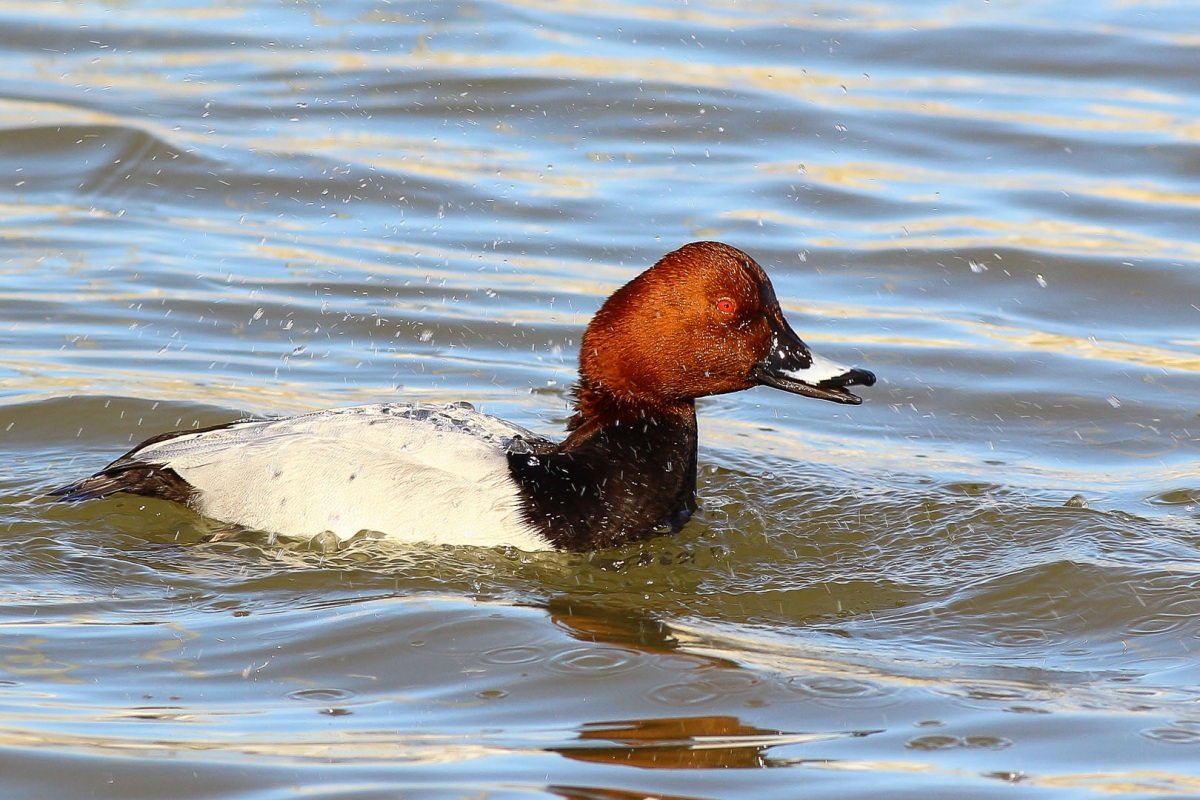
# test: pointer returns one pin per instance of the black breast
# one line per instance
(610, 484)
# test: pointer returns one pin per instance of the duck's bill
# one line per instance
(792, 367)
(824, 380)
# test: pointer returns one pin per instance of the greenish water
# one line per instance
(982, 582)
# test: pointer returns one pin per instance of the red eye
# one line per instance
(726, 306)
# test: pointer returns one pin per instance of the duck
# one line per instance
(704, 320)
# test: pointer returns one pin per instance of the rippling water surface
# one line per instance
(982, 582)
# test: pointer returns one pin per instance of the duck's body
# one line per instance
(414, 472)
(704, 320)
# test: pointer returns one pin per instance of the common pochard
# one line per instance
(702, 321)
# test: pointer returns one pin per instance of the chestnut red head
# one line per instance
(704, 320)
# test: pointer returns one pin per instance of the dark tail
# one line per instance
(132, 477)
(93, 488)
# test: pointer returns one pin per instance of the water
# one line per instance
(982, 582)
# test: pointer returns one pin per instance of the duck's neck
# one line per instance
(618, 477)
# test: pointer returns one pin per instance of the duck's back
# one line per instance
(409, 471)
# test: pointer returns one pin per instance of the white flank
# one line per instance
(416, 473)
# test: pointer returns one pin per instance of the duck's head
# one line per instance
(704, 320)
